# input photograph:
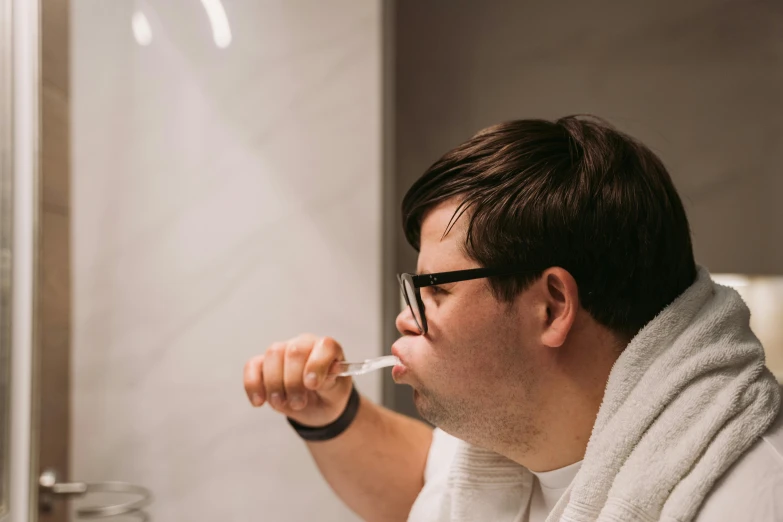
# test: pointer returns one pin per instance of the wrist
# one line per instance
(333, 429)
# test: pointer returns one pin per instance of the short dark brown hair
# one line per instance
(574, 193)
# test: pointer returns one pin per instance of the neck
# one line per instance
(562, 438)
(567, 401)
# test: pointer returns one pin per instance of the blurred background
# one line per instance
(185, 182)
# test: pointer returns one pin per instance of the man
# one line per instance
(577, 363)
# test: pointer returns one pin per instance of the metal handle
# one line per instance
(50, 488)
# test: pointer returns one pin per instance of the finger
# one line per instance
(324, 354)
(254, 380)
(296, 355)
(273, 375)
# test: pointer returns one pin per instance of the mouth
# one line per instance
(401, 369)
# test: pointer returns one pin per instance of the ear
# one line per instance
(561, 299)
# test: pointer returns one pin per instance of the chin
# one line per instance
(424, 407)
(417, 402)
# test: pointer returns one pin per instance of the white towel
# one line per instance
(685, 399)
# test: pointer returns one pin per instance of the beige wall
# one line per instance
(222, 199)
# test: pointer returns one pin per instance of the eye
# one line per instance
(436, 290)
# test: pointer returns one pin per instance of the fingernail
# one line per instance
(311, 379)
(256, 399)
(276, 399)
(296, 402)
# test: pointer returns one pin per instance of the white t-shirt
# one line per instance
(548, 487)
(750, 491)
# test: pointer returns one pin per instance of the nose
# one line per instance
(406, 324)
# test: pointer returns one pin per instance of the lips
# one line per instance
(401, 369)
(396, 352)
(398, 372)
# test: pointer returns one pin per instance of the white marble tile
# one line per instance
(223, 199)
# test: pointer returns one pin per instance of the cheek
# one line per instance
(462, 347)
(484, 344)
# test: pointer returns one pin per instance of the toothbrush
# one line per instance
(345, 369)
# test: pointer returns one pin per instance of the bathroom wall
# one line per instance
(700, 82)
(223, 198)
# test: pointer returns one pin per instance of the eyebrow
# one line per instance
(426, 272)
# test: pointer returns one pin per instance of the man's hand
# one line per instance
(293, 377)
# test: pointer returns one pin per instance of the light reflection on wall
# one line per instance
(221, 31)
(764, 297)
(218, 21)
(142, 30)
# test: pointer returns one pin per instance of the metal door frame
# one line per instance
(19, 171)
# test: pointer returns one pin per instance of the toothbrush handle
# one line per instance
(346, 369)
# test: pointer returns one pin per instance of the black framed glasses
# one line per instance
(411, 285)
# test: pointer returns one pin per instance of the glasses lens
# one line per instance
(410, 296)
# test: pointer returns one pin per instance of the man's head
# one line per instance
(594, 212)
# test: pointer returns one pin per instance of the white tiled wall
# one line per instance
(222, 199)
